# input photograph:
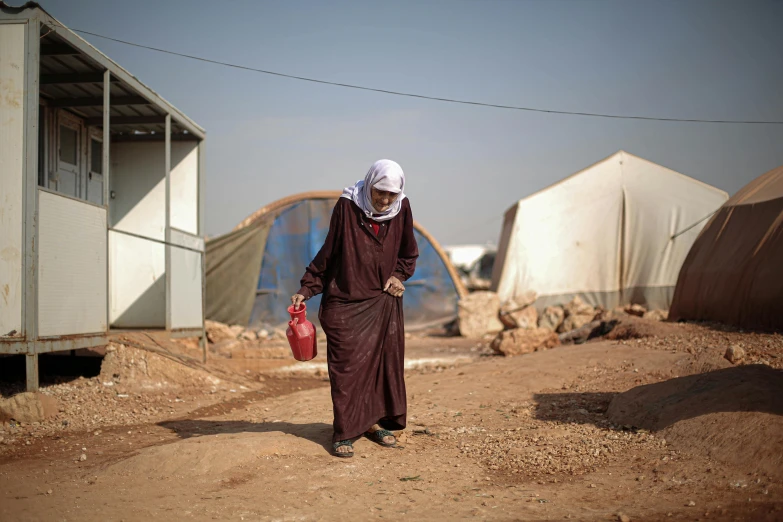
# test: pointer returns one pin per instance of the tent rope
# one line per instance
(708, 216)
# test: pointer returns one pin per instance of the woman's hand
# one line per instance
(296, 300)
(394, 287)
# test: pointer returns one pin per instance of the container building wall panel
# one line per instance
(186, 287)
(137, 275)
(184, 186)
(12, 75)
(72, 278)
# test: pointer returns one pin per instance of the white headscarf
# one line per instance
(383, 175)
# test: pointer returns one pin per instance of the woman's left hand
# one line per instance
(394, 287)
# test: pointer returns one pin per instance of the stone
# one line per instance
(28, 407)
(734, 354)
(519, 302)
(575, 321)
(578, 307)
(478, 315)
(635, 309)
(551, 318)
(621, 517)
(521, 341)
(582, 334)
(526, 318)
(589, 331)
(218, 332)
(236, 330)
(248, 335)
(82, 457)
(656, 315)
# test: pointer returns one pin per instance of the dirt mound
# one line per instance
(212, 456)
(131, 369)
(734, 415)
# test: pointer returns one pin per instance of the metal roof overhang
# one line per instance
(71, 76)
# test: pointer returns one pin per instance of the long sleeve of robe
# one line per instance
(363, 324)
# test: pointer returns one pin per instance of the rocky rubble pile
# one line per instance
(218, 333)
(516, 327)
(89, 405)
(134, 387)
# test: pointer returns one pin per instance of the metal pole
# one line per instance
(30, 274)
(168, 221)
(105, 165)
(201, 199)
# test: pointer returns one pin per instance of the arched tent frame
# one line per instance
(277, 206)
(251, 270)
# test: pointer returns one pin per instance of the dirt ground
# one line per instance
(651, 424)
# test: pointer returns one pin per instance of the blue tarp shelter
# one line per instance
(252, 271)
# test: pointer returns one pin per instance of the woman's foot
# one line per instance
(381, 436)
(343, 448)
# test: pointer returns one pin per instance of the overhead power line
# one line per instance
(422, 96)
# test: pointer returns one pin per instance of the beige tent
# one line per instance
(734, 272)
(615, 233)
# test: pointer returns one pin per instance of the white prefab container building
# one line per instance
(101, 197)
(614, 233)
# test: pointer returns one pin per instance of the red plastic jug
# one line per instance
(301, 334)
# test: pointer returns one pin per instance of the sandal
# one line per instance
(343, 454)
(377, 437)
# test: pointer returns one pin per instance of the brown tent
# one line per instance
(734, 271)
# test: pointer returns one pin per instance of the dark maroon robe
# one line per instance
(365, 345)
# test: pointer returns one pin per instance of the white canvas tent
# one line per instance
(614, 233)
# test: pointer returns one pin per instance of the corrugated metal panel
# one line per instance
(184, 186)
(185, 288)
(295, 238)
(137, 275)
(72, 266)
(12, 74)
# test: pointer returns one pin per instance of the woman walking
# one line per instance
(369, 252)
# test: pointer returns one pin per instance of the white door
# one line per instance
(69, 155)
(95, 171)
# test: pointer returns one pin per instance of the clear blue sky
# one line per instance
(270, 137)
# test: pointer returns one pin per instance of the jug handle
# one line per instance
(294, 329)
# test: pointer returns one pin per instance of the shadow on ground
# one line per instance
(54, 368)
(317, 432)
(750, 388)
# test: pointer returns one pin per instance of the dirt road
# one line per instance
(525, 438)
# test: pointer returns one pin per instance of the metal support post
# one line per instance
(31, 360)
